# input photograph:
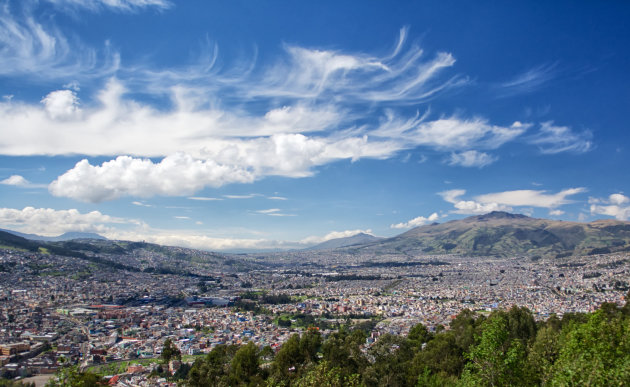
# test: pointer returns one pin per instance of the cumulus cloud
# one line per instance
(471, 158)
(16, 180)
(415, 222)
(178, 174)
(553, 139)
(47, 221)
(62, 104)
(616, 205)
(556, 212)
(20, 181)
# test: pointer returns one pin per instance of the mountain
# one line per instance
(357, 239)
(68, 236)
(505, 234)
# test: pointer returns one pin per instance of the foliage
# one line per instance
(72, 377)
(170, 351)
(507, 348)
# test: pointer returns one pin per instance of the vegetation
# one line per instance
(503, 348)
(506, 348)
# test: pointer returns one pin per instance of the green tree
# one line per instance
(498, 359)
(326, 375)
(213, 369)
(245, 366)
(595, 353)
(72, 377)
(170, 351)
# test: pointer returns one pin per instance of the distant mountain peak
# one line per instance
(501, 215)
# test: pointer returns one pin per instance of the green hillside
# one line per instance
(504, 234)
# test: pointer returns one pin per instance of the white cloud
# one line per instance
(534, 198)
(471, 158)
(120, 5)
(553, 139)
(47, 221)
(203, 198)
(469, 207)
(20, 181)
(30, 48)
(269, 211)
(333, 235)
(556, 212)
(276, 198)
(141, 204)
(16, 180)
(249, 196)
(616, 205)
(182, 217)
(178, 174)
(504, 201)
(62, 104)
(448, 133)
(415, 222)
(529, 80)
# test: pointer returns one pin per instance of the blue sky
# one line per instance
(276, 124)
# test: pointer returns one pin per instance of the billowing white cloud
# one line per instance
(47, 221)
(178, 174)
(471, 158)
(415, 222)
(16, 180)
(553, 139)
(333, 235)
(617, 205)
(62, 104)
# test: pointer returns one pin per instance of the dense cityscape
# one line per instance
(59, 310)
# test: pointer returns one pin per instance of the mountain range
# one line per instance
(504, 234)
(494, 234)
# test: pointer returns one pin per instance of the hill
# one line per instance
(505, 234)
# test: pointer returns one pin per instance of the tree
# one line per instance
(498, 359)
(326, 375)
(245, 365)
(72, 377)
(211, 370)
(170, 351)
(596, 352)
